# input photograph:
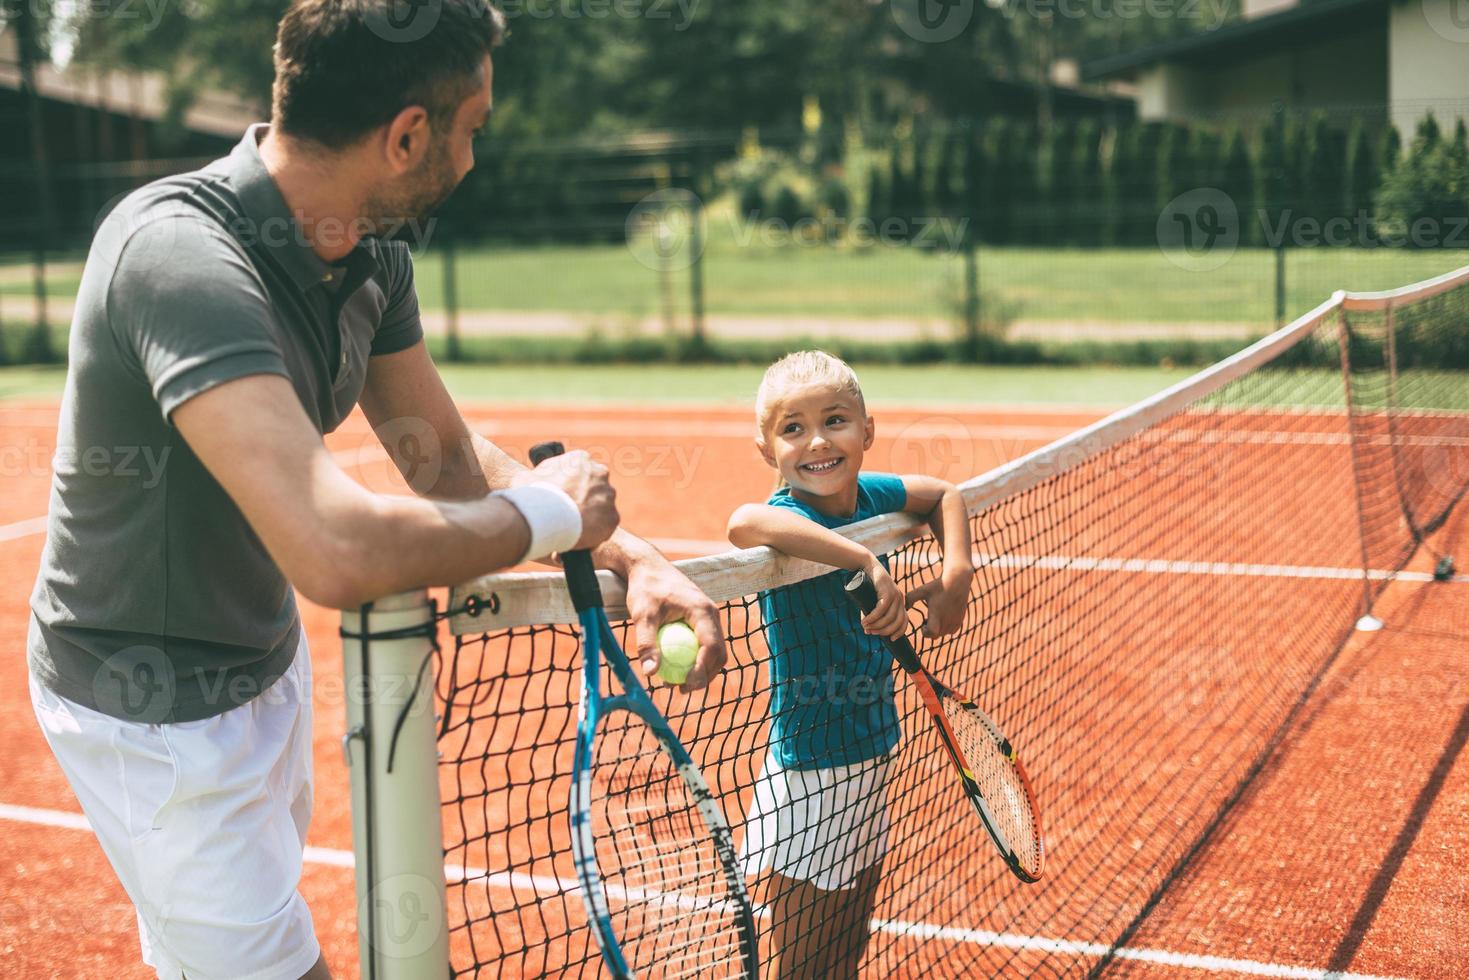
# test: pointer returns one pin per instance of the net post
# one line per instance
(391, 754)
(1367, 622)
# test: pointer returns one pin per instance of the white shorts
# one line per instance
(823, 826)
(205, 824)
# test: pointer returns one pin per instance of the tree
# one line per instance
(1085, 179)
(1361, 173)
(1054, 168)
(901, 195)
(978, 179)
(1274, 184)
(1237, 180)
(1024, 183)
(31, 25)
(879, 201)
(1427, 134)
(1426, 197)
(1390, 150)
(1323, 156)
(1000, 209)
(1176, 173)
(203, 44)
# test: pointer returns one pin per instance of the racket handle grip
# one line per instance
(862, 592)
(581, 574)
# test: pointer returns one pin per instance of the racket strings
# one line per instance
(999, 782)
(666, 886)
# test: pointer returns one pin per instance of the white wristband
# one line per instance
(555, 521)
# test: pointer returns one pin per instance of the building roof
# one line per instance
(142, 95)
(1228, 44)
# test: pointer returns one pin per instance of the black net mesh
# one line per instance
(1410, 399)
(1146, 621)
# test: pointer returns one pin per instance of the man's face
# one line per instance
(448, 159)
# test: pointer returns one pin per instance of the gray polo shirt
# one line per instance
(155, 601)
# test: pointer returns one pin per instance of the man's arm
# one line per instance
(339, 543)
(433, 447)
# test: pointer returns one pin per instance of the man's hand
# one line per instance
(658, 593)
(586, 483)
(947, 601)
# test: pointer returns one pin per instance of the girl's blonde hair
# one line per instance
(800, 370)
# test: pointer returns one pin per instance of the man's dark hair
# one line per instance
(345, 67)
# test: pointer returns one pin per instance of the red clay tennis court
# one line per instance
(1286, 798)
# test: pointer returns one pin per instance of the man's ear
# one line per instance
(406, 141)
(869, 428)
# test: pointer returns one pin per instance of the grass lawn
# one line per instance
(1065, 285)
(1138, 285)
(31, 382)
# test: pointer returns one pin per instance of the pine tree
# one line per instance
(1272, 184)
(1237, 180)
(948, 157)
(1052, 167)
(1176, 170)
(1362, 176)
(1085, 219)
(879, 195)
(1121, 172)
(1390, 150)
(978, 170)
(1025, 184)
(1321, 170)
(1142, 186)
(1427, 134)
(1001, 203)
(919, 192)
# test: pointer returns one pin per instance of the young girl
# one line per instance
(817, 830)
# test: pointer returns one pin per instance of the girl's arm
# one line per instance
(947, 596)
(754, 525)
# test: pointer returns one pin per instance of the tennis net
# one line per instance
(1156, 596)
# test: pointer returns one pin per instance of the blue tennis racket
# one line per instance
(654, 857)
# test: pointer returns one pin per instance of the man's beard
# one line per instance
(405, 211)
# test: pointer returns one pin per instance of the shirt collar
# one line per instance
(275, 228)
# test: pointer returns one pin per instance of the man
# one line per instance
(226, 320)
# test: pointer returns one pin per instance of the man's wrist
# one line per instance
(627, 555)
(550, 513)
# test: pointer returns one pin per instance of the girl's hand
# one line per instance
(890, 616)
(947, 602)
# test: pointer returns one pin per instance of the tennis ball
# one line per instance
(677, 648)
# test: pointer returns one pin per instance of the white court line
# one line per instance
(22, 529)
(545, 885)
(1155, 566)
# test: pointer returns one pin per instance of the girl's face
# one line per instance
(816, 438)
